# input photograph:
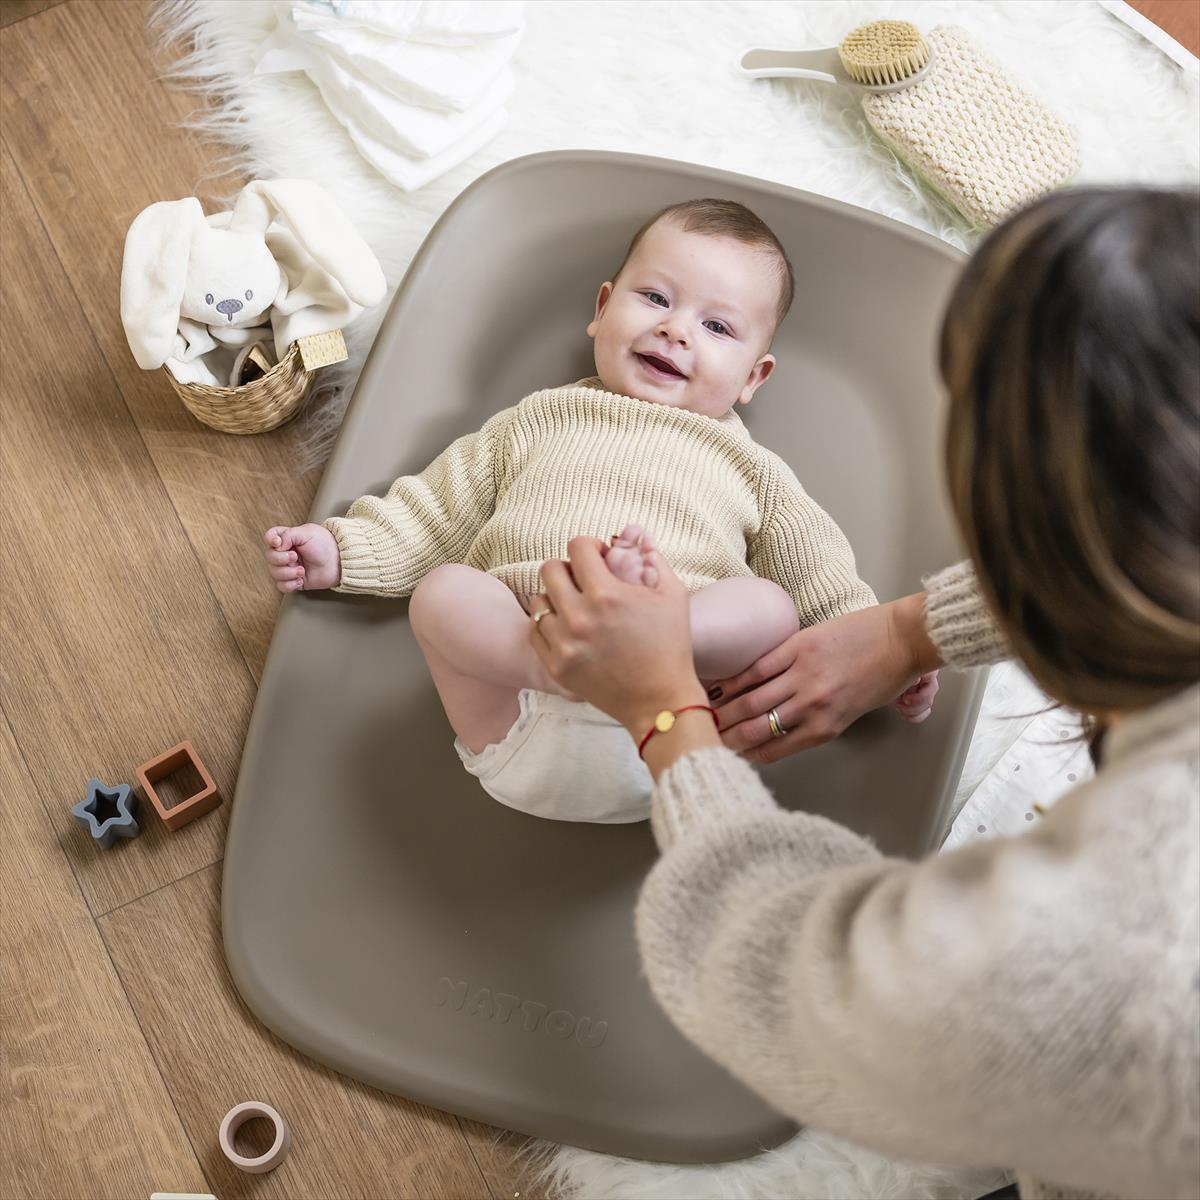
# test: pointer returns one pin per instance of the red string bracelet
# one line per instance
(665, 722)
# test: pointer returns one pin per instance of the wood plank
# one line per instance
(12, 11)
(115, 648)
(83, 1110)
(93, 131)
(348, 1140)
(110, 606)
(504, 1158)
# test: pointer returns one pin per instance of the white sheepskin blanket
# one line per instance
(657, 77)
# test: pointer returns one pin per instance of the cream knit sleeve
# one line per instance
(800, 547)
(958, 620)
(388, 543)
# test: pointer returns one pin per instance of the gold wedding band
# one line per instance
(777, 729)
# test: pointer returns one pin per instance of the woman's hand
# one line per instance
(625, 648)
(824, 678)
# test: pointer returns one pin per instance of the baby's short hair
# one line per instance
(727, 218)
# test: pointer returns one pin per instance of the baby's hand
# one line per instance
(917, 702)
(303, 557)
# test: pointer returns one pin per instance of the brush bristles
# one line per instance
(883, 52)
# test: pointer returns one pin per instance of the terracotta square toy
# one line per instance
(167, 763)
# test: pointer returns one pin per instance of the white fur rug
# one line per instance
(657, 77)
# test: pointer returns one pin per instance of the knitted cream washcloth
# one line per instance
(983, 141)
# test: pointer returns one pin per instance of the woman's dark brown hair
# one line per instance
(1071, 351)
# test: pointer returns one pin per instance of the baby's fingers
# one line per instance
(278, 537)
(288, 579)
(282, 558)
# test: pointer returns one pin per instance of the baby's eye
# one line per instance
(721, 327)
(656, 298)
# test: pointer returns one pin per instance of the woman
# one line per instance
(1030, 1001)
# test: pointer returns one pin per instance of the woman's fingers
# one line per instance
(773, 748)
(590, 571)
(744, 721)
(571, 585)
(561, 596)
(768, 683)
(771, 664)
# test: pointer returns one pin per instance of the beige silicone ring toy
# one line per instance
(235, 1118)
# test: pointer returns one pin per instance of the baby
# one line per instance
(652, 442)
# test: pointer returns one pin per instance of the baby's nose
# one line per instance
(229, 307)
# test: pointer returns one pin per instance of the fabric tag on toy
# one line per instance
(322, 349)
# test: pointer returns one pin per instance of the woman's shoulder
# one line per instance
(1141, 808)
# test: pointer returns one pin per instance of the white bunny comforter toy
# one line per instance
(284, 264)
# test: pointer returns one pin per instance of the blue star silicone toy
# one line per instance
(121, 825)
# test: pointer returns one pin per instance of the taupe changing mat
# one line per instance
(381, 912)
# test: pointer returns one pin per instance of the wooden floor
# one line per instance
(136, 613)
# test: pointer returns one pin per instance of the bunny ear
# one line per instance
(320, 227)
(153, 274)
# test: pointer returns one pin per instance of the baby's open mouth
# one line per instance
(659, 366)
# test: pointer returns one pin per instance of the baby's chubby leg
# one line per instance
(734, 621)
(475, 638)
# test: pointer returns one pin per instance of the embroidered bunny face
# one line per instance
(232, 279)
(285, 253)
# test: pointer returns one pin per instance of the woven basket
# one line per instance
(269, 401)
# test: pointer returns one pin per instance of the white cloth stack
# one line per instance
(419, 85)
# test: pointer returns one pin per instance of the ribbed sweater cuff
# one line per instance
(361, 560)
(707, 788)
(958, 621)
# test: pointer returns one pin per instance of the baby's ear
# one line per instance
(757, 377)
(602, 297)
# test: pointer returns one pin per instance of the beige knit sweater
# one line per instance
(1029, 1002)
(578, 460)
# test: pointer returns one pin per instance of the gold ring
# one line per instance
(777, 729)
(537, 616)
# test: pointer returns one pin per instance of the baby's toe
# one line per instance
(625, 563)
(649, 573)
(629, 535)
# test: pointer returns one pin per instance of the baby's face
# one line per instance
(687, 322)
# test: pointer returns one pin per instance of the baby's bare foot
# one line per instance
(626, 557)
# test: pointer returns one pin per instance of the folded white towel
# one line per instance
(443, 22)
(196, 289)
(448, 78)
(408, 174)
(413, 109)
(413, 130)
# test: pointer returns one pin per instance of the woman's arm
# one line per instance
(960, 1009)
